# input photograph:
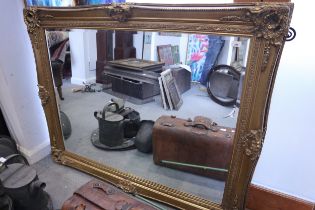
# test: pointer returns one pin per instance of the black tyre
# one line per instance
(7, 141)
(143, 139)
(65, 125)
(225, 69)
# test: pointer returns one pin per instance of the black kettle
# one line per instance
(111, 126)
(131, 127)
(20, 182)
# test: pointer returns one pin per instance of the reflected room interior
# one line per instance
(114, 87)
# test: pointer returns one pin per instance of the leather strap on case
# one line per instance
(80, 207)
(202, 123)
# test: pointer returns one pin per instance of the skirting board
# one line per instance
(36, 154)
(260, 198)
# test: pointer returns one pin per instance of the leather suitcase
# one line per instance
(97, 195)
(199, 146)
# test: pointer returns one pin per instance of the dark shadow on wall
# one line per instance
(3, 126)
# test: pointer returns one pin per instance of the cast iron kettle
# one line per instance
(20, 182)
(7, 146)
(131, 127)
(111, 126)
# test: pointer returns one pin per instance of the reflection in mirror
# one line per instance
(159, 105)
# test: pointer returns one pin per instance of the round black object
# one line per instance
(20, 182)
(222, 84)
(9, 142)
(132, 126)
(291, 34)
(5, 151)
(6, 202)
(131, 129)
(65, 125)
(143, 139)
(126, 144)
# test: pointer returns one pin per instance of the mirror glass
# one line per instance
(160, 105)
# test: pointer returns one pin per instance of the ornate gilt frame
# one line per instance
(265, 24)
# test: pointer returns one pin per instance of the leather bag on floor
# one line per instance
(197, 146)
(97, 195)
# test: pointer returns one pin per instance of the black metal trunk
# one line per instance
(134, 88)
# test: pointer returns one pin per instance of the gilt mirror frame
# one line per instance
(265, 24)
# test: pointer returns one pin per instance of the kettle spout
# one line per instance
(36, 186)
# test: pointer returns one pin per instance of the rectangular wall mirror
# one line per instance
(165, 102)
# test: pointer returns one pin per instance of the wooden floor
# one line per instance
(264, 199)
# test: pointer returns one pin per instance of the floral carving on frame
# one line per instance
(43, 94)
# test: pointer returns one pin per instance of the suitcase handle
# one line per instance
(80, 207)
(202, 123)
(107, 191)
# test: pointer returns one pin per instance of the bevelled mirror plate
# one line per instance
(177, 75)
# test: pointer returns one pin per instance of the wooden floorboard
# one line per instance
(264, 199)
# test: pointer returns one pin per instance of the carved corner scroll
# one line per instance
(55, 152)
(54, 142)
(43, 94)
(270, 23)
(252, 143)
(58, 154)
(32, 21)
(119, 12)
(126, 186)
(235, 203)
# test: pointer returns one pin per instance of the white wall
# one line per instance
(78, 64)
(287, 162)
(150, 50)
(83, 55)
(225, 56)
(92, 52)
(137, 43)
(19, 100)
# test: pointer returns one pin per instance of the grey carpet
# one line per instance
(80, 107)
(62, 181)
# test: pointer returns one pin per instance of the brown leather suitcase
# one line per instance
(97, 195)
(199, 146)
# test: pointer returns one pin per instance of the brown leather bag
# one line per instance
(97, 195)
(198, 146)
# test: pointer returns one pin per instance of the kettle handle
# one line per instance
(107, 107)
(95, 115)
(36, 186)
(11, 157)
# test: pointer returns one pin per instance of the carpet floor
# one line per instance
(80, 107)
